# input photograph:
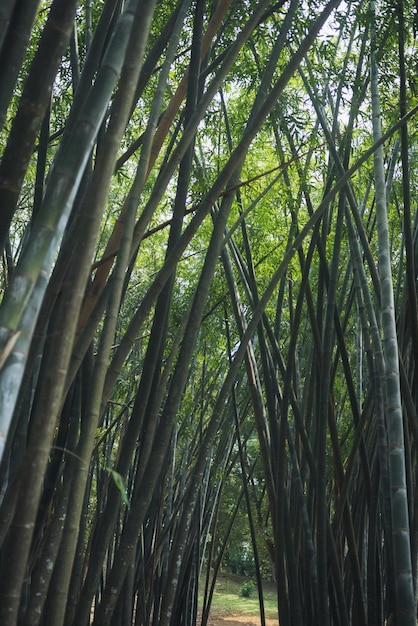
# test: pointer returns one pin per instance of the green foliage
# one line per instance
(239, 558)
(119, 482)
(132, 367)
(247, 589)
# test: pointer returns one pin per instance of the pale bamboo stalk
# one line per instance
(35, 264)
(405, 599)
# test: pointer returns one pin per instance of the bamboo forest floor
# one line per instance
(229, 608)
(238, 620)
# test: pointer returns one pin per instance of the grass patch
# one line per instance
(227, 598)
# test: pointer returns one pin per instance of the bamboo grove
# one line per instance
(208, 308)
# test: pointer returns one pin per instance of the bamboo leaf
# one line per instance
(120, 484)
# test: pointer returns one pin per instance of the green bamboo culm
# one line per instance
(404, 592)
(22, 300)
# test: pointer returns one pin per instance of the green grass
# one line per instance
(227, 599)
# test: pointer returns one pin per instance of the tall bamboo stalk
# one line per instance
(405, 600)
